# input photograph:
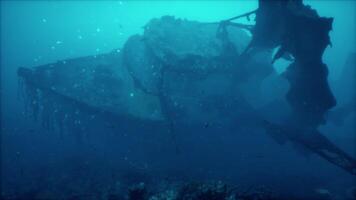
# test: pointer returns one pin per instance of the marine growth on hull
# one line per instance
(162, 76)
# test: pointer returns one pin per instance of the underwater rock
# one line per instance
(138, 192)
(257, 193)
(166, 195)
(114, 197)
(214, 190)
(206, 191)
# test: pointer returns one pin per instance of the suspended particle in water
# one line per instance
(97, 49)
(64, 62)
(44, 20)
(59, 42)
(98, 30)
(80, 37)
(53, 47)
(132, 94)
(71, 52)
(155, 113)
(118, 50)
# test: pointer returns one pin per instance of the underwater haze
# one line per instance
(159, 100)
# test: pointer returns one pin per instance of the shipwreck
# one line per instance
(182, 73)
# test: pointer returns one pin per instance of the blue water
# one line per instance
(39, 164)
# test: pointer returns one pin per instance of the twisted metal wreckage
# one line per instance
(161, 80)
